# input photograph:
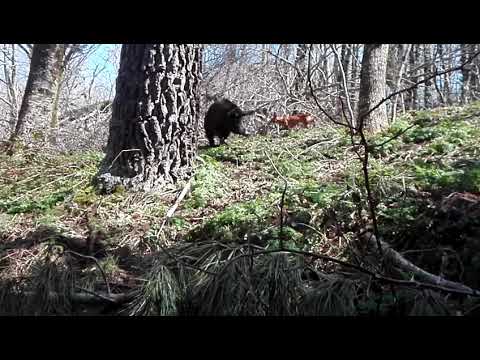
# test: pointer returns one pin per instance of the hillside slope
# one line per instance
(58, 238)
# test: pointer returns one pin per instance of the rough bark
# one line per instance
(38, 100)
(412, 95)
(301, 68)
(428, 69)
(55, 109)
(474, 74)
(154, 125)
(466, 72)
(372, 86)
(446, 77)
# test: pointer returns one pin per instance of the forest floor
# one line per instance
(426, 182)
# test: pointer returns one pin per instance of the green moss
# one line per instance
(235, 221)
(34, 205)
(179, 223)
(210, 183)
(86, 196)
(325, 195)
(292, 239)
(36, 182)
(433, 176)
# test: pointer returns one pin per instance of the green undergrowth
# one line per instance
(236, 194)
(210, 183)
(36, 183)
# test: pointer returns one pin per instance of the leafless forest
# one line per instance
(276, 78)
(240, 179)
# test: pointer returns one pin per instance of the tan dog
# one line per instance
(291, 121)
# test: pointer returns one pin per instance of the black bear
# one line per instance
(224, 117)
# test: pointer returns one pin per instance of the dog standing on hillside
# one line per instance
(291, 121)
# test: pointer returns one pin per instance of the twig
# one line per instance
(177, 258)
(98, 265)
(100, 296)
(282, 203)
(120, 153)
(345, 88)
(274, 167)
(315, 97)
(87, 296)
(399, 133)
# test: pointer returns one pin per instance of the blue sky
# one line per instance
(100, 57)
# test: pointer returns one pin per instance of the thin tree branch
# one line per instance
(104, 276)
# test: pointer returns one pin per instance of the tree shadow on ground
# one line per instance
(43, 268)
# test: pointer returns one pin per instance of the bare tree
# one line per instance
(301, 67)
(153, 130)
(404, 55)
(427, 97)
(10, 82)
(411, 97)
(38, 100)
(72, 53)
(372, 86)
(466, 50)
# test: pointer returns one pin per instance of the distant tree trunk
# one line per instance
(474, 73)
(69, 53)
(356, 65)
(301, 65)
(373, 86)
(465, 56)
(345, 55)
(154, 125)
(412, 95)
(38, 100)
(10, 76)
(404, 53)
(264, 54)
(427, 56)
(446, 78)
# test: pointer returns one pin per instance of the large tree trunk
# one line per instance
(56, 106)
(372, 86)
(38, 100)
(154, 125)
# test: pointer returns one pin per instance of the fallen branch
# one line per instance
(180, 197)
(437, 282)
(430, 281)
(89, 297)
